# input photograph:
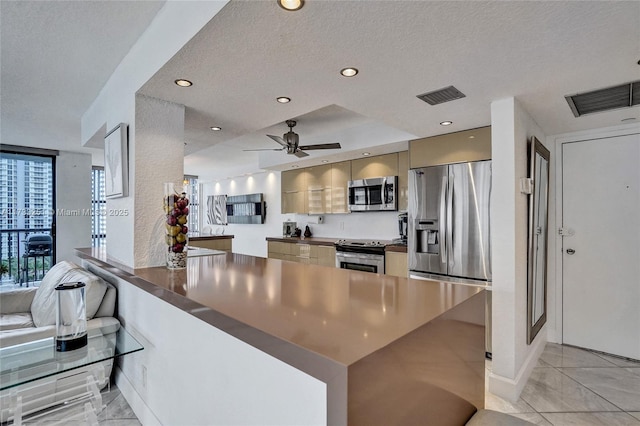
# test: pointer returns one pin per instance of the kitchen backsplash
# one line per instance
(367, 225)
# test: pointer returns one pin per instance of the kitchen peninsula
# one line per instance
(254, 340)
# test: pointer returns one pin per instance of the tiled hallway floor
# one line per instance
(571, 386)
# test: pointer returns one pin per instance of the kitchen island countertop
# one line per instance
(321, 320)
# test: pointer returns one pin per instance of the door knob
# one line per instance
(570, 251)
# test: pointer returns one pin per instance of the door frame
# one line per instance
(555, 307)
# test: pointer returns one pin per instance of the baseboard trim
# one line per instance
(137, 404)
(510, 389)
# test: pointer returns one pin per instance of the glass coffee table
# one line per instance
(25, 368)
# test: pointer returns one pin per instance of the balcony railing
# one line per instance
(24, 264)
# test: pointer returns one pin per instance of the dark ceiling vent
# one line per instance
(441, 96)
(616, 97)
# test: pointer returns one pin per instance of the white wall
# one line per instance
(250, 239)
(513, 360)
(73, 195)
(174, 25)
(191, 373)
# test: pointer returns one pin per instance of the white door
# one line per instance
(601, 259)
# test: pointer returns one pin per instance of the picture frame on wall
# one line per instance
(116, 162)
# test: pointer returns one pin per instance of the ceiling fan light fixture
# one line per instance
(291, 5)
(216, 128)
(183, 83)
(283, 99)
(349, 72)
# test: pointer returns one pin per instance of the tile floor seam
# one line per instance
(592, 390)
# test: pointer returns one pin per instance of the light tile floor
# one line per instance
(572, 386)
(116, 412)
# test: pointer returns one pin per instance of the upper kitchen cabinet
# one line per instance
(403, 180)
(319, 189)
(294, 191)
(374, 167)
(340, 176)
(459, 147)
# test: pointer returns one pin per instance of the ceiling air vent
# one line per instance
(622, 96)
(441, 96)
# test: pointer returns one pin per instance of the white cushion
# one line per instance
(43, 308)
(15, 321)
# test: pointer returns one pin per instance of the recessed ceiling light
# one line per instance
(446, 123)
(366, 154)
(295, 166)
(291, 4)
(215, 128)
(349, 72)
(325, 161)
(283, 99)
(183, 83)
(472, 137)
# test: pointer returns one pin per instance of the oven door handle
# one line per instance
(350, 255)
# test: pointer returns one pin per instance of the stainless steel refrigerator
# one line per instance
(449, 222)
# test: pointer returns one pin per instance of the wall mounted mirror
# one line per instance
(538, 236)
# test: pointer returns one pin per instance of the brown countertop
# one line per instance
(209, 237)
(333, 317)
(399, 248)
(300, 240)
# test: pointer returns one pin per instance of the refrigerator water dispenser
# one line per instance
(427, 238)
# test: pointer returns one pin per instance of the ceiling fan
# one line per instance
(289, 141)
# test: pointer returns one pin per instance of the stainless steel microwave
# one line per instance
(375, 194)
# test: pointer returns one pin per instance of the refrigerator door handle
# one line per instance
(450, 223)
(442, 224)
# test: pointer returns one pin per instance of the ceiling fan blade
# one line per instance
(266, 149)
(321, 146)
(279, 140)
(300, 154)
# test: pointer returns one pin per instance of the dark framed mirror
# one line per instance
(538, 237)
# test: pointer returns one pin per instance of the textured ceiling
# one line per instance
(253, 51)
(55, 57)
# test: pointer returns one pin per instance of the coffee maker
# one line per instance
(402, 229)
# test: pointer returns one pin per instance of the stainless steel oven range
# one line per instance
(360, 255)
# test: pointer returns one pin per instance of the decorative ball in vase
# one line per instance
(176, 202)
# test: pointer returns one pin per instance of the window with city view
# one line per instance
(98, 205)
(194, 204)
(26, 207)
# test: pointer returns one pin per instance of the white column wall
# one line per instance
(159, 158)
(73, 200)
(513, 360)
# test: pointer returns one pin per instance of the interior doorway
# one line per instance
(601, 244)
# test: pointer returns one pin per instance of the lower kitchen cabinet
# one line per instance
(395, 263)
(216, 244)
(302, 253)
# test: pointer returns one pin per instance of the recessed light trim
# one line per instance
(283, 99)
(183, 83)
(216, 128)
(446, 123)
(349, 72)
(291, 5)
(325, 161)
(295, 166)
(366, 154)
